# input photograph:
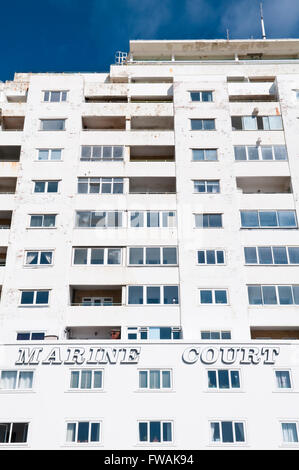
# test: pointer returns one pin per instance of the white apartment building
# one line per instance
(149, 250)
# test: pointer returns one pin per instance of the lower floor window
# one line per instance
(290, 432)
(83, 431)
(227, 431)
(13, 432)
(16, 380)
(86, 379)
(155, 431)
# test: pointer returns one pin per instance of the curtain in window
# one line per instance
(289, 432)
(154, 379)
(283, 379)
(25, 380)
(8, 379)
(86, 378)
(71, 432)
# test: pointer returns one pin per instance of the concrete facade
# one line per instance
(144, 106)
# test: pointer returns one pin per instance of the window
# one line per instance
(201, 96)
(208, 335)
(271, 255)
(95, 256)
(49, 154)
(153, 332)
(46, 186)
(83, 432)
(283, 379)
(227, 431)
(210, 257)
(202, 124)
(30, 336)
(52, 124)
(100, 185)
(223, 379)
(261, 152)
(253, 123)
(155, 431)
(199, 155)
(91, 153)
(43, 220)
(11, 433)
(151, 295)
(153, 256)
(268, 219)
(99, 219)
(38, 258)
(55, 96)
(290, 432)
(273, 295)
(86, 379)
(206, 186)
(153, 219)
(208, 220)
(213, 296)
(16, 380)
(35, 297)
(155, 379)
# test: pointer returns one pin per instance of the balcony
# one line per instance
(12, 123)
(8, 185)
(103, 123)
(275, 334)
(96, 296)
(148, 185)
(94, 332)
(3, 254)
(5, 220)
(152, 153)
(264, 185)
(152, 123)
(10, 153)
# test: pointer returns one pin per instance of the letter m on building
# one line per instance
(28, 356)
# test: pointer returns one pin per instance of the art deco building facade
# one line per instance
(149, 251)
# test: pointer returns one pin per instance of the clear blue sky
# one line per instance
(83, 35)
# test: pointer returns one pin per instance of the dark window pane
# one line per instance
(97, 256)
(268, 219)
(255, 295)
(155, 431)
(201, 257)
(32, 257)
(165, 332)
(46, 257)
(239, 432)
(23, 336)
(80, 256)
(206, 297)
(38, 336)
(19, 432)
(249, 219)
(212, 380)
(196, 124)
(250, 255)
(285, 295)
(171, 295)
(215, 220)
(153, 295)
(39, 187)
(235, 379)
(280, 152)
(267, 153)
(42, 297)
(294, 255)
(169, 256)
(198, 155)
(136, 256)
(208, 124)
(286, 219)
(135, 295)
(223, 379)
(95, 432)
(220, 257)
(152, 256)
(280, 255)
(83, 429)
(220, 297)
(167, 437)
(269, 295)
(114, 256)
(236, 123)
(265, 255)
(253, 153)
(227, 431)
(240, 152)
(211, 257)
(27, 297)
(142, 432)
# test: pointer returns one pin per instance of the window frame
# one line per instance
(203, 120)
(155, 389)
(230, 389)
(153, 443)
(206, 185)
(30, 333)
(211, 332)
(105, 259)
(101, 159)
(34, 304)
(215, 250)
(81, 389)
(204, 153)
(61, 92)
(17, 389)
(268, 227)
(272, 305)
(38, 227)
(144, 264)
(38, 264)
(213, 291)
(142, 330)
(233, 421)
(260, 153)
(52, 119)
(49, 154)
(200, 92)
(278, 389)
(11, 423)
(46, 186)
(259, 122)
(100, 182)
(145, 294)
(160, 219)
(208, 214)
(90, 421)
(272, 254)
(289, 443)
(120, 218)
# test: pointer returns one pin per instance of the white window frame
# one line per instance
(202, 119)
(204, 151)
(100, 181)
(103, 301)
(160, 219)
(213, 290)
(289, 421)
(138, 330)
(144, 256)
(106, 226)
(101, 159)
(216, 331)
(80, 389)
(30, 333)
(89, 442)
(106, 250)
(11, 423)
(205, 255)
(233, 421)
(161, 421)
(17, 389)
(148, 388)
(209, 226)
(271, 247)
(277, 304)
(260, 155)
(38, 227)
(269, 227)
(52, 119)
(200, 92)
(46, 186)
(49, 155)
(39, 253)
(206, 184)
(230, 389)
(34, 304)
(61, 92)
(144, 294)
(283, 389)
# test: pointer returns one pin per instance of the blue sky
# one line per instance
(83, 35)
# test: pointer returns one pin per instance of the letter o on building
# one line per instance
(209, 355)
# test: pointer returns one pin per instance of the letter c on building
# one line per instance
(190, 355)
